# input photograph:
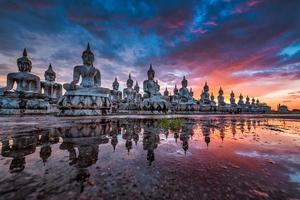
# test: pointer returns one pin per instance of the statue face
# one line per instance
(150, 76)
(88, 59)
(129, 84)
(24, 67)
(50, 77)
(184, 84)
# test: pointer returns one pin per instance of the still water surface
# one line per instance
(198, 157)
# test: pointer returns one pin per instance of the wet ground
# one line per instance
(187, 157)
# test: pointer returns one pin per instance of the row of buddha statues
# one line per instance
(25, 93)
(87, 138)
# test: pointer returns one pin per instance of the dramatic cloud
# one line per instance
(248, 46)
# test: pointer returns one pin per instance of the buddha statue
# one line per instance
(241, 104)
(205, 95)
(26, 81)
(166, 92)
(205, 99)
(116, 95)
(52, 90)
(221, 101)
(138, 95)
(175, 98)
(153, 100)
(212, 102)
(241, 100)
(129, 96)
(91, 77)
(88, 98)
(26, 97)
(191, 92)
(232, 99)
(186, 100)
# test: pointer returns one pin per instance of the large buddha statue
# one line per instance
(186, 100)
(87, 98)
(22, 94)
(51, 89)
(153, 100)
(241, 104)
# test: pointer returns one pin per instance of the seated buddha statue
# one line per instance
(153, 99)
(185, 95)
(87, 98)
(138, 98)
(221, 101)
(151, 87)
(91, 76)
(129, 93)
(232, 99)
(116, 95)
(22, 94)
(51, 89)
(26, 82)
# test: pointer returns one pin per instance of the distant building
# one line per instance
(282, 108)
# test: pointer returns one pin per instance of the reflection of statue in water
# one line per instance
(88, 98)
(17, 149)
(150, 140)
(26, 97)
(86, 138)
(186, 133)
(153, 100)
(206, 131)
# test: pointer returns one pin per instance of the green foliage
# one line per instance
(173, 124)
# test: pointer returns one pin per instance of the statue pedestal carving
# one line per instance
(18, 103)
(85, 101)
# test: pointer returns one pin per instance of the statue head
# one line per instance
(24, 64)
(206, 88)
(151, 73)
(88, 56)
(175, 90)
(221, 92)
(184, 82)
(241, 97)
(166, 92)
(137, 87)
(232, 94)
(115, 84)
(247, 99)
(129, 82)
(50, 74)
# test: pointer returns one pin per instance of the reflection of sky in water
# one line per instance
(213, 149)
(293, 173)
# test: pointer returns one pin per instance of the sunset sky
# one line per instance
(251, 47)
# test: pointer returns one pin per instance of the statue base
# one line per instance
(18, 103)
(85, 102)
(156, 103)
